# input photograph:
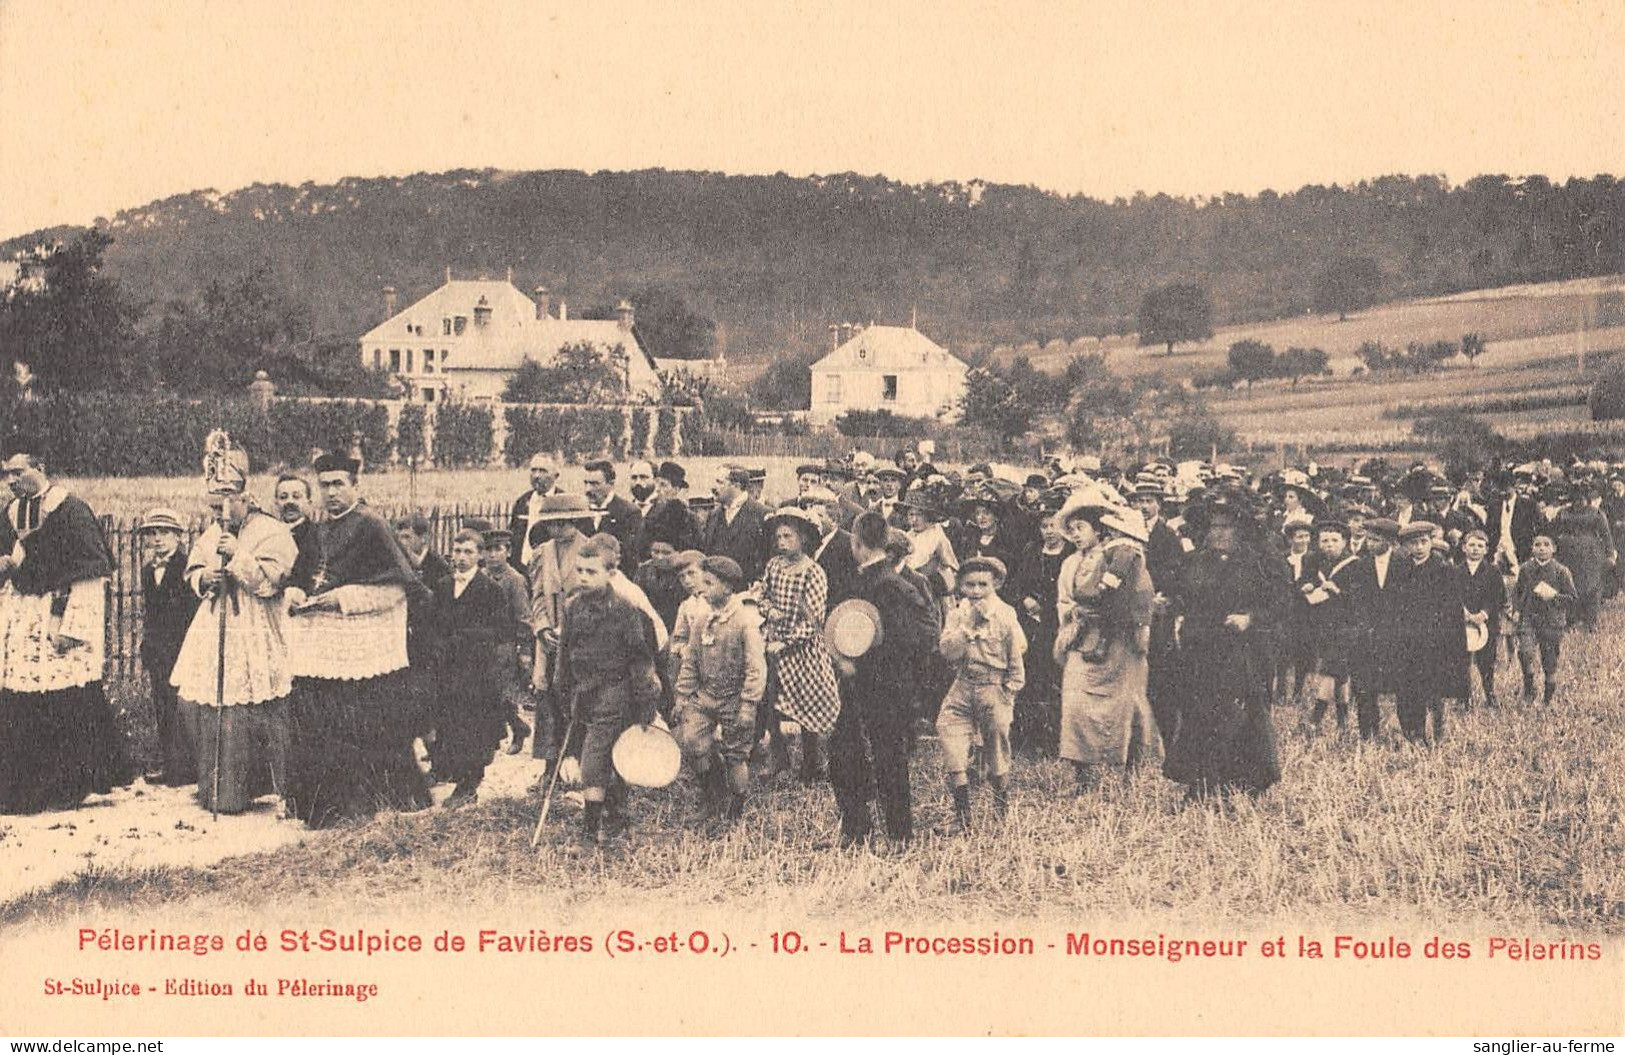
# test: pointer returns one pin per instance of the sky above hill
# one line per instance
(110, 105)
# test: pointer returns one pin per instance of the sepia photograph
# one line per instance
(791, 519)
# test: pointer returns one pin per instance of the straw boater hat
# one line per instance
(161, 518)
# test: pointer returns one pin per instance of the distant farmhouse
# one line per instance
(895, 368)
(467, 338)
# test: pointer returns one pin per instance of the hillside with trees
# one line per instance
(759, 266)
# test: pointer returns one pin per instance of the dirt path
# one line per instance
(144, 826)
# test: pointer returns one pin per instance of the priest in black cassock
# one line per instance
(353, 720)
(58, 738)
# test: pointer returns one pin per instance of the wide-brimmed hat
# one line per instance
(797, 518)
(646, 756)
(564, 507)
(1128, 522)
(932, 500)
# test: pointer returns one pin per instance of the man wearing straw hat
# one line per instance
(239, 565)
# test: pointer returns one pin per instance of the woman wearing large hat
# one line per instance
(933, 555)
(795, 596)
(1104, 603)
(1231, 602)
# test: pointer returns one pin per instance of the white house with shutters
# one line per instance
(467, 338)
(895, 368)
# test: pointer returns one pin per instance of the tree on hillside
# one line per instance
(239, 325)
(578, 373)
(1251, 361)
(1348, 283)
(785, 385)
(668, 327)
(1101, 409)
(991, 403)
(1174, 313)
(73, 328)
(1299, 363)
(1473, 345)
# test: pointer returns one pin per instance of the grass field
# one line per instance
(1516, 821)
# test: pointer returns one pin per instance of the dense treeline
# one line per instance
(773, 260)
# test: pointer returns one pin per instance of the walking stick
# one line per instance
(552, 782)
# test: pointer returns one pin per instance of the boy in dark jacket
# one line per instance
(1542, 596)
(167, 607)
(868, 751)
(473, 639)
(606, 673)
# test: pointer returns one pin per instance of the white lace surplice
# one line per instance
(257, 665)
(29, 661)
(366, 638)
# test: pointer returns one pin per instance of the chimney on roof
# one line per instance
(846, 332)
(391, 304)
(834, 336)
(623, 315)
(544, 303)
(564, 310)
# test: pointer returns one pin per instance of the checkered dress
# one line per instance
(801, 681)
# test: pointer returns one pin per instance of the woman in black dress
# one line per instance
(1037, 715)
(1230, 601)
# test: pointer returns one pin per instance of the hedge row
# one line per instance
(107, 434)
(1501, 404)
(578, 433)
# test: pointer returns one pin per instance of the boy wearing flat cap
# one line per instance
(720, 687)
(984, 644)
(1433, 642)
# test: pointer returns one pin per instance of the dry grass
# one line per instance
(1517, 821)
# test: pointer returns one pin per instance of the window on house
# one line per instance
(428, 360)
(888, 388)
(428, 395)
(832, 389)
(459, 324)
(377, 358)
(409, 360)
(445, 353)
(445, 326)
(394, 360)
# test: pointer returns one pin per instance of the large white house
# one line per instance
(467, 338)
(895, 368)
